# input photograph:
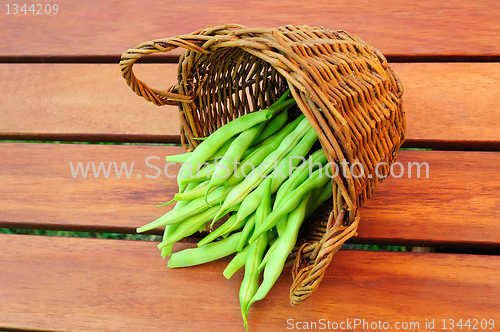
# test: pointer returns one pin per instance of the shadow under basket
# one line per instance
(344, 87)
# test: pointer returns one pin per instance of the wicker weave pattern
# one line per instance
(344, 87)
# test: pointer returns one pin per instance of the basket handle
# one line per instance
(157, 96)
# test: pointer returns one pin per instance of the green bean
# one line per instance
(281, 226)
(267, 140)
(299, 175)
(245, 232)
(314, 204)
(276, 262)
(250, 203)
(194, 193)
(250, 282)
(178, 158)
(239, 259)
(317, 179)
(204, 173)
(183, 157)
(222, 150)
(213, 142)
(230, 225)
(256, 157)
(236, 263)
(263, 209)
(170, 229)
(252, 148)
(272, 248)
(271, 127)
(190, 187)
(273, 235)
(190, 226)
(201, 255)
(241, 190)
(282, 172)
(223, 170)
(279, 174)
(319, 196)
(192, 208)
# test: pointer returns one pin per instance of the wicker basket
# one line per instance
(343, 86)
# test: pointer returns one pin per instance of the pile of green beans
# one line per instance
(260, 172)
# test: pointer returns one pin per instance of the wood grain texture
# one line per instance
(395, 27)
(39, 189)
(109, 285)
(449, 103)
(456, 205)
(445, 103)
(82, 101)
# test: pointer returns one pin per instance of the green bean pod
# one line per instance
(250, 283)
(272, 127)
(294, 157)
(236, 263)
(246, 232)
(314, 204)
(222, 150)
(317, 179)
(263, 138)
(213, 142)
(277, 260)
(230, 225)
(273, 235)
(204, 173)
(201, 255)
(318, 197)
(223, 169)
(197, 192)
(274, 244)
(178, 158)
(279, 174)
(239, 259)
(190, 226)
(170, 229)
(192, 208)
(250, 203)
(280, 226)
(182, 158)
(257, 156)
(263, 209)
(241, 190)
(299, 175)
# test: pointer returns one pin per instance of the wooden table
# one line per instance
(61, 82)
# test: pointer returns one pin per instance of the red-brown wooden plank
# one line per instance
(451, 105)
(456, 205)
(399, 27)
(109, 285)
(447, 105)
(84, 102)
(39, 189)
